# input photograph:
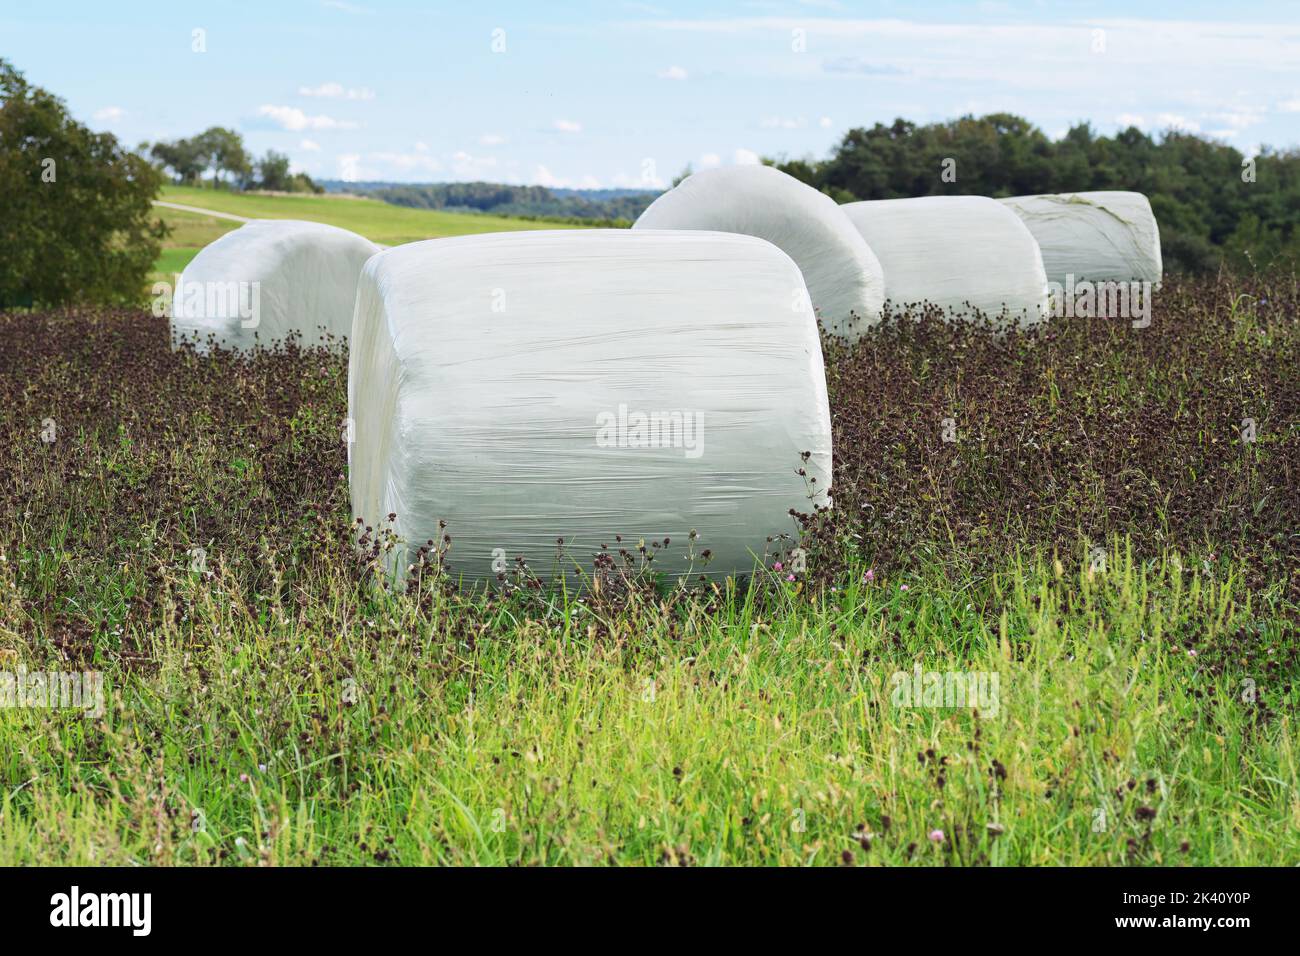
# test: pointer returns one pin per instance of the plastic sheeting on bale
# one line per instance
(268, 279)
(1108, 236)
(956, 252)
(525, 387)
(840, 269)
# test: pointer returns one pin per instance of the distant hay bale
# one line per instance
(1108, 236)
(267, 280)
(957, 252)
(840, 270)
(533, 386)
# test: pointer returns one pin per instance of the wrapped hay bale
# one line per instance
(267, 280)
(534, 386)
(957, 252)
(1108, 236)
(839, 268)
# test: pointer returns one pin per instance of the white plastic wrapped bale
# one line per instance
(532, 386)
(268, 279)
(1108, 236)
(957, 252)
(840, 269)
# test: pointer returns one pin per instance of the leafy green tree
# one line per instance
(273, 171)
(226, 155)
(217, 149)
(184, 157)
(77, 213)
(302, 183)
(273, 174)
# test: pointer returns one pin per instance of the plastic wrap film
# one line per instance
(840, 269)
(534, 386)
(1098, 236)
(957, 252)
(268, 279)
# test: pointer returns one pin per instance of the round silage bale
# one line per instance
(535, 394)
(1105, 236)
(840, 270)
(268, 280)
(956, 252)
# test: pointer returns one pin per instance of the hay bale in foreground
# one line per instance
(267, 280)
(957, 252)
(1107, 236)
(526, 387)
(840, 270)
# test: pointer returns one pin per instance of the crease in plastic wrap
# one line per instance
(267, 280)
(532, 386)
(1106, 236)
(956, 252)
(841, 271)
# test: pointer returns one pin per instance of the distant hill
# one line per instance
(614, 206)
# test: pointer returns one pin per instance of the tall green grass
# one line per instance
(1135, 721)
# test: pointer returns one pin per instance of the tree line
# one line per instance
(614, 208)
(1214, 205)
(221, 152)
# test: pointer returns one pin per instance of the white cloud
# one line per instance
(745, 157)
(349, 167)
(1183, 52)
(310, 145)
(1241, 117)
(860, 66)
(566, 126)
(407, 162)
(543, 177)
(709, 160)
(1290, 106)
(345, 7)
(1177, 122)
(421, 147)
(337, 91)
(491, 139)
(1161, 122)
(109, 114)
(824, 122)
(294, 119)
(467, 166)
(674, 72)
(782, 122)
(648, 179)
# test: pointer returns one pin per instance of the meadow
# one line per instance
(1098, 524)
(378, 221)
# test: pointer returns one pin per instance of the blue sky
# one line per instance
(627, 93)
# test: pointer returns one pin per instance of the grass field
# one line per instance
(379, 222)
(1101, 550)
